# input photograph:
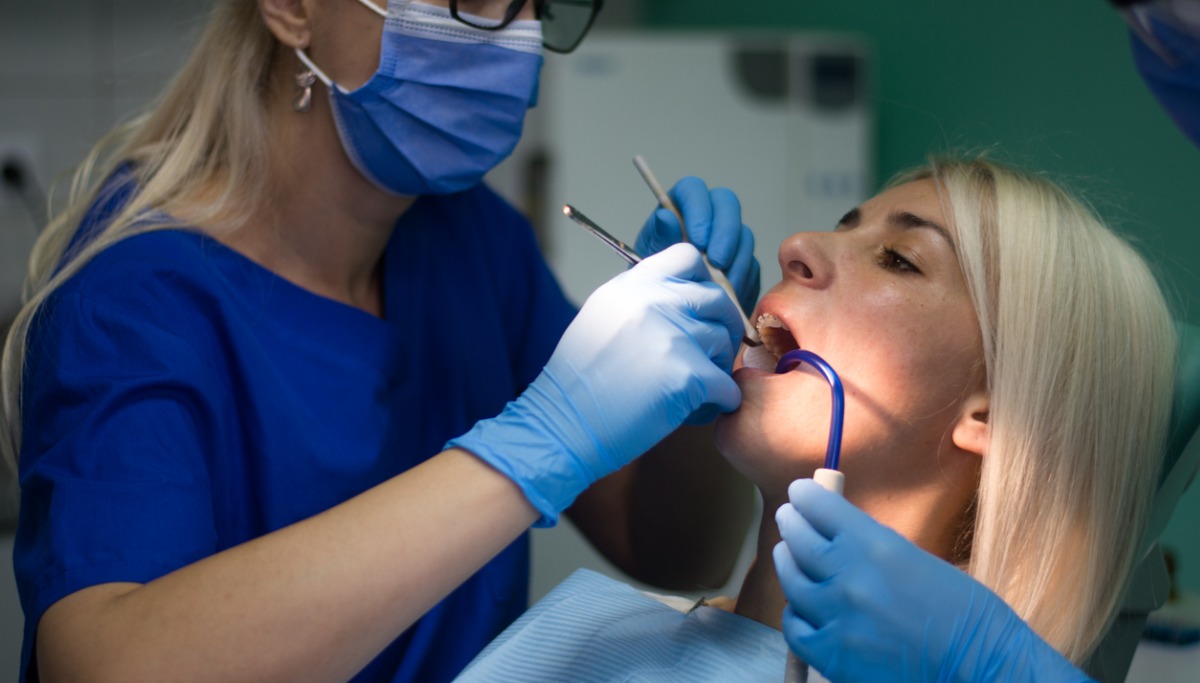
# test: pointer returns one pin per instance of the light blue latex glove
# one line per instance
(648, 349)
(714, 225)
(865, 604)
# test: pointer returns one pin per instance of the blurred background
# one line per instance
(803, 107)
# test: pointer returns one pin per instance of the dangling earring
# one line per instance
(304, 84)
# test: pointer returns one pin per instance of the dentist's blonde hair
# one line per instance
(1079, 348)
(199, 156)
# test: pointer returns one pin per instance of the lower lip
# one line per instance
(759, 358)
(747, 373)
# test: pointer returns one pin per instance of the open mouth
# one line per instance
(777, 340)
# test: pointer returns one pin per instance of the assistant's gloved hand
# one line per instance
(648, 349)
(714, 225)
(865, 604)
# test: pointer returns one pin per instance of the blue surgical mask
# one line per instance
(446, 105)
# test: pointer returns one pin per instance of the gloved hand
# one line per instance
(647, 350)
(714, 225)
(865, 604)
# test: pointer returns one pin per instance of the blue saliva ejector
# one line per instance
(828, 476)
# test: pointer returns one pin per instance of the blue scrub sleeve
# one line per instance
(116, 425)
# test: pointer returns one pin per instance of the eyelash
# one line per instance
(892, 260)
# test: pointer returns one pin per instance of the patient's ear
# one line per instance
(971, 430)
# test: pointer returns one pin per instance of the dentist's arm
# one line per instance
(317, 600)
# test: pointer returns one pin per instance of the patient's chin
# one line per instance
(731, 444)
(725, 436)
(758, 459)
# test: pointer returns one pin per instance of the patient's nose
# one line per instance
(804, 258)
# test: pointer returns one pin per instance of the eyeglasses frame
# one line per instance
(515, 7)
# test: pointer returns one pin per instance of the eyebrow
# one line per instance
(904, 219)
(899, 219)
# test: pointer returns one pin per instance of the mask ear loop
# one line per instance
(316, 70)
(829, 476)
(375, 8)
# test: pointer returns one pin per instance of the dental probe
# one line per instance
(660, 194)
(828, 476)
(751, 333)
(626, 252)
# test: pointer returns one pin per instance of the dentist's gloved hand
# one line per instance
(865, 604)
(714, 225)
(648, 349)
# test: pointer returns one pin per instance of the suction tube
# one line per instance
(828, 477)
(790, 361)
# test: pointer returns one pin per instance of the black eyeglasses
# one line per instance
(564, 22)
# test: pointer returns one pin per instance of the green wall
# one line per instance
(1051, 84)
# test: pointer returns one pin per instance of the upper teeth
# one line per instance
(768, 320)
(776, 337)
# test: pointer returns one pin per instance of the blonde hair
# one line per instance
(199, 157)
(1079, 349)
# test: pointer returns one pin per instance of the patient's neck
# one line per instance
(761, 598)
(921, 516)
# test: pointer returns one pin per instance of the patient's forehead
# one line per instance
(918, 197)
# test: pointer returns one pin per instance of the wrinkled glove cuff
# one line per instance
(1007, 649)
(517, 445)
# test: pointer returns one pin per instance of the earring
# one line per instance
(304, 84)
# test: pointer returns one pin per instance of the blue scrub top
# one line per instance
(180, 399)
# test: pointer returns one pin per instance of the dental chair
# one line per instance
(1149, 583)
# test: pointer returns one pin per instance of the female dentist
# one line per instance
(289, 386)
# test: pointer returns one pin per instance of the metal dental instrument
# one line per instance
(620, 247)
(660, 194)
(750, 336)
(627, 253)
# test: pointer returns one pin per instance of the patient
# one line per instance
(1008, 364)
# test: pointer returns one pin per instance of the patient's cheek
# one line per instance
(762, 457)
(781, 429)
